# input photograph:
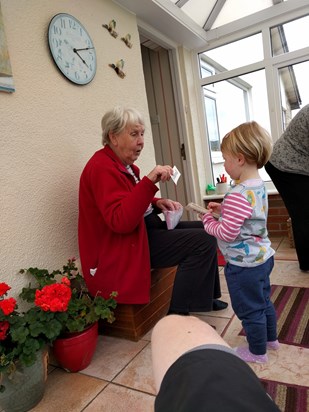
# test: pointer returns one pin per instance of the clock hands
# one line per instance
(86, 48)
(75, 51)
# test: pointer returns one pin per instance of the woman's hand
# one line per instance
(160, 174)
(167, 204)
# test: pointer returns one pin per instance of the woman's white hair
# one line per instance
(117, 119)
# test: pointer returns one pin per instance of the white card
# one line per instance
(176, 175)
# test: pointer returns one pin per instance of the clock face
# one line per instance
(72, 48)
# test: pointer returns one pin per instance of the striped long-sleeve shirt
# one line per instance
(241, 229)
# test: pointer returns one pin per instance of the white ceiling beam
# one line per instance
(166, 17)
(214, 14)
(181, 3)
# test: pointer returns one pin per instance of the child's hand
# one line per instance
(214, 207)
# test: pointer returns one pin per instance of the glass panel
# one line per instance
(212, 124)
(294, 88)
(198, 10)
(290, 36)
(230, 56)
(236, 9)
(206, 70)
(231, 103)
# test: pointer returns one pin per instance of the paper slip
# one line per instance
(176, 175)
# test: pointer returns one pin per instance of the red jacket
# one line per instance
(111, 230)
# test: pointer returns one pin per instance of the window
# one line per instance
(294, 89)
(250, 79)
(233, 102)
(290, 36)
(235, 54)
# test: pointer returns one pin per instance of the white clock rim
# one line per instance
(56, 17)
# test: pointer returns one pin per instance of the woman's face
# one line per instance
(129, 143)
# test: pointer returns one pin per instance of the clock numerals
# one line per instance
(72, 24)
(57, 31)
(72, 48)
(63, 23)
(56, 42)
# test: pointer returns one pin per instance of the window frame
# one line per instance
(271, 64)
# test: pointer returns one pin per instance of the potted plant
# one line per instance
(70, 311)
(23, 354)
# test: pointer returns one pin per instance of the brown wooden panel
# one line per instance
(134, 321)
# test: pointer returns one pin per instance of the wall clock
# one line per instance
(72, 49)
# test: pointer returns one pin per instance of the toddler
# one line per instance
(242, 238)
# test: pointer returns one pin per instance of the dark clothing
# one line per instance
(212, 380)
(294, 190)
(195, 252)
(249, 289)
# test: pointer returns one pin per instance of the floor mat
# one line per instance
(289, 398)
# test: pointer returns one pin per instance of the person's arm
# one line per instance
(234, 211)
(121, 203)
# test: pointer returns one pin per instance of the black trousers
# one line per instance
(294, 190)
(212, 380)
(195, 252)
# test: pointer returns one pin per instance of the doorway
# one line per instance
(163, 116)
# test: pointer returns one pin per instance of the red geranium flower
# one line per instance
(66, 281)
(7, 305)
(4, 288)
(54, 298)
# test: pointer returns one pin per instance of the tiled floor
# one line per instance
(119, 378)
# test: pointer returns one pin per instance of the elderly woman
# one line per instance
(121, 235)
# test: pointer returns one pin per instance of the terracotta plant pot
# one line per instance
(75, 351)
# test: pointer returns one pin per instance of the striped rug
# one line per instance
(288, 398)
(292, 308)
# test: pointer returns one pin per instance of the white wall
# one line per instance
(50, 127)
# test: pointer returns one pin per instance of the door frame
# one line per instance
(151, 34)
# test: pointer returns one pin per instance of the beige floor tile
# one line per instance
(288, 274)
(225, 313)
(68, 392)
(223, 284)
(111, 356)
(219, 323)
(286, 254)
(275, 242)
(147, 336)
(285, 244)
(120, 399)
(138, 374)
(289, 364)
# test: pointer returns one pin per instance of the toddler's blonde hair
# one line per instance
(251, 140)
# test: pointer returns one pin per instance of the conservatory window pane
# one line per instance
(235, 101)
(294, 87)
(290, 36)
(233, 55)
(212, 124)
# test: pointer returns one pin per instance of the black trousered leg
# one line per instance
(195, 252)
(294, 190)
